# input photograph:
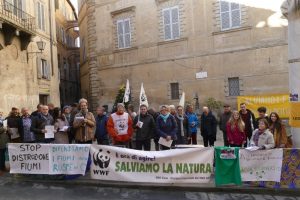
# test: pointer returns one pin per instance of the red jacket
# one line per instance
(235, 136)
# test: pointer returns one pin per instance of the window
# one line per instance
(171, 23)
(234, 86)
(41, 16)
(230, 14)
(174, 90)
(43, 99)
(44, 69)
(124, 33)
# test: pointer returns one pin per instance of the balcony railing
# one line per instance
(14, 15)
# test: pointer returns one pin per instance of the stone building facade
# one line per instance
(67, 35)
(207, 48)
(28, 76)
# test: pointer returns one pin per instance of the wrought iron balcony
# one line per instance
(15, 21)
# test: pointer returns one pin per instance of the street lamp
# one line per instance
(41, 46)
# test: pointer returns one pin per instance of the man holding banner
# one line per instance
(119, 127)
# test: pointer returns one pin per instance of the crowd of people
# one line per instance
(126, 128)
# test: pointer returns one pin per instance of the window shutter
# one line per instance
(127, 37)
(39, 14)
(225, 15)
(38, 67)
(120, 33)
(167, 24)
(42, 18)
(235, 15)
(175, 23)
(48, 68)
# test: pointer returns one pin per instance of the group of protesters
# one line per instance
(242, 129)
(126, 128)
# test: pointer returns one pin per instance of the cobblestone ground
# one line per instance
(46, 191)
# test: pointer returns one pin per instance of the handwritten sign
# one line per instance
(28, 158)
(261, 165)
(69, 159)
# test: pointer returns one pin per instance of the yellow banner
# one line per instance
(295, 114)
(274, 103)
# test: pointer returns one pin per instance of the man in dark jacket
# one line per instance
(208, 127)
(249, 120)
(101, 131)
(223, 121)
(24, 127)
(39, 123)
(262, 114)
(13, 121)
(38, 111)
(144, 125)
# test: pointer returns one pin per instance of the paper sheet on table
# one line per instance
(50, 132)
(14, 133)
(63, 129)
(253, 148)
(164, 142)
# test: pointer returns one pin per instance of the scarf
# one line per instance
(181, 123)
(256, 136)
(165, 117)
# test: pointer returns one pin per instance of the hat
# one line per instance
(65, 107)
(120, 104)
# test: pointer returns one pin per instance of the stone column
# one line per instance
(92, 56)
(291, 10)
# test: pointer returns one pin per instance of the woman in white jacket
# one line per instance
(262, 137)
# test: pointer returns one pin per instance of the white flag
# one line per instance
(143, 97)
(182, 100)
(127, 92)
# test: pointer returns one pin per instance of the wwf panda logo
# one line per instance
(102, 158)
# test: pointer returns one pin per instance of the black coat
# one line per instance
(148, 129)
(208, 125)
(38, 124)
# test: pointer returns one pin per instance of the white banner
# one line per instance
(48, 158)
(69, 158)
(261, 165)
(28, 158)
(193, 165)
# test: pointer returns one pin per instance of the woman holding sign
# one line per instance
(167, 128)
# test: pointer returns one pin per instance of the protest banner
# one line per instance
(193, 165)
(68, 158)
(48, 158)
(28, 158)
(274, 103)
(261, 165)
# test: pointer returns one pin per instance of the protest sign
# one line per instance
(261, 165)
(68, 158)
(48, 158)
(192, 165)
(28, 158)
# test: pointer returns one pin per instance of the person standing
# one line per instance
(3, 142)
(101, 122)
(145, 129)
(262, 137)
(38, 111)
(172, 110)
(61, 126)
(84, 124)
(193, 124)
(183, 126)
(224, 118)
(119, 127)
(262, 114)
(235, 129)
(13, 122)
(166, 126)
(155, 115)
(249, 120)
(39, 123)
(278, 130)
(74, 111)
(208, 127)
(24, 127)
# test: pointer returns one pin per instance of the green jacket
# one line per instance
(3, 138)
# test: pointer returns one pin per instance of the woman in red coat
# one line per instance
(236, 130)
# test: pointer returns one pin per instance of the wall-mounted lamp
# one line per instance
(41, 46)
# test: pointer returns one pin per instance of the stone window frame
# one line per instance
(124, 33)
(170, 9)
(226, 85)
(170, 90)
(230, 12)
(124, 14)
(164, 4)
(217, 25)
